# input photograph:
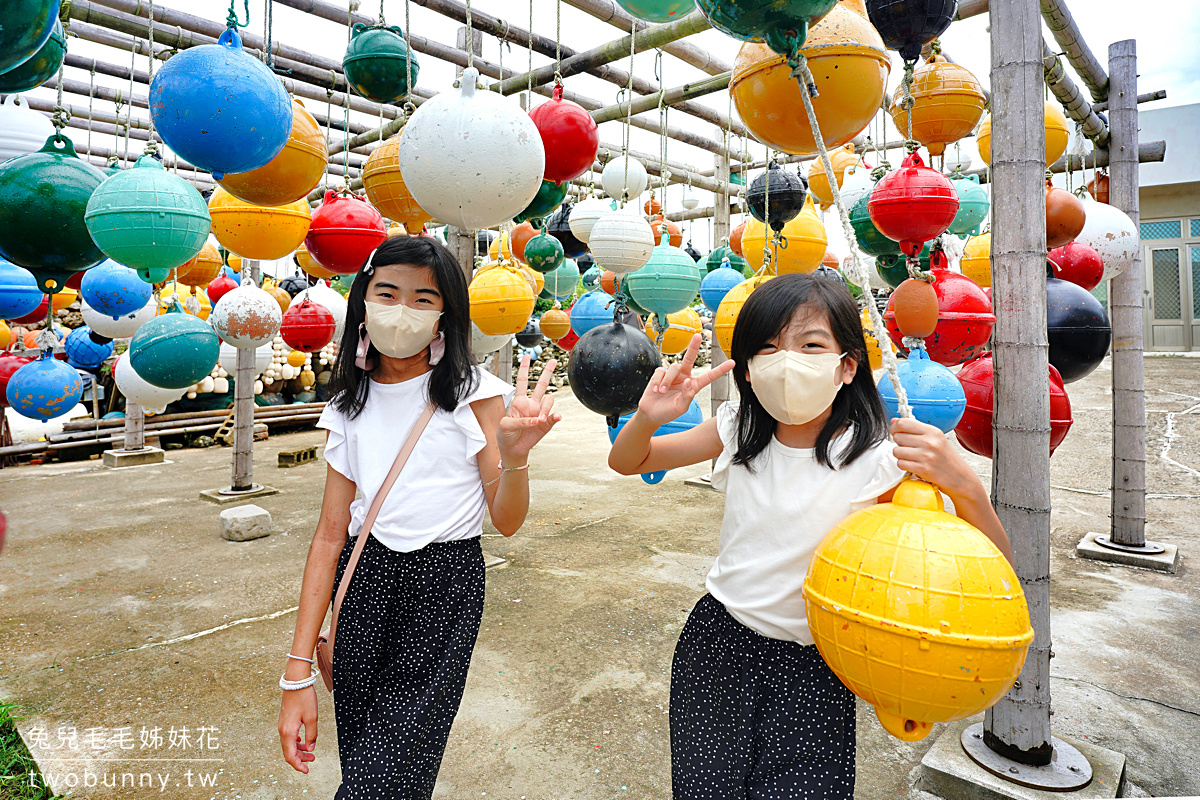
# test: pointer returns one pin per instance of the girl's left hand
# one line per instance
(529, 418)
(925, 451)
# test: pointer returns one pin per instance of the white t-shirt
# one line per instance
(439, 494)
(776, 516)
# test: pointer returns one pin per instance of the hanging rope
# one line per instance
(151, 144)
(629, 113)
(328, 126)
(231, 19)
(270, 59)
(470, 38)
(800, 70)
(129, 113)
(529, 71)
(557, 41)
(663, 173)
(408, 108)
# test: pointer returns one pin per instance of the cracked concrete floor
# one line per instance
(123, 609)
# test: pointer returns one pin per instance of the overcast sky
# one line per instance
(1166, 30)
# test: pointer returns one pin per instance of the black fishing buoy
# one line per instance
(483, 241)
(1078, 329)
(693, 252)
(530, 335)
(829, 274)
(557, 227)
(294, 284)
(909, 25)
(610, 367)
(783, 201)
(585, 262)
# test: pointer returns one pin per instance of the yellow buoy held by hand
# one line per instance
(917, 612)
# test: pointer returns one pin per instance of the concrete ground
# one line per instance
(124, 609)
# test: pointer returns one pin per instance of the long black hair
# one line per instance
(767, 311)
(454, 377)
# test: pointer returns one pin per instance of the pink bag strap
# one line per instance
(373, 511)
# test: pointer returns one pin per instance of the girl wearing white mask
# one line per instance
(410, 613)
(755, 712)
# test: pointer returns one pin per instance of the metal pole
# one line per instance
(243, 411)
(1129, 396)
(1018, 727)
(135, 421)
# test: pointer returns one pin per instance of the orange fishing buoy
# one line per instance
(818, 184)
(386, 189)
(518, 237)
(673, 230)
(309, 264)
(1057, 134)
(948, 102)
(916, 305)
(735, 239)
(204, 267)
(292, 174)
(1065, 217)
(608, 282)
(652, 206)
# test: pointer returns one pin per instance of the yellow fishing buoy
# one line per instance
(917, 612)
(818, 185)
(386, 189)
(731, 306)
(555, 324)
(258, 232)
(537, 281)
(976, 261)
(681, 327)
(292, 174)
(874, 353)
(1057, 134)
(296, 358)
(501, 300)
(309, 264)
(948, 102)
(203, 269)
(166, 299)
(849, 65)
(61, 300)
(805, 239)
(499, 250)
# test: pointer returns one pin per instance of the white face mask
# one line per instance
(400, 331)
(795, 388)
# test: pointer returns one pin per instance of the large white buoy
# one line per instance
(622, 241)
(122, 327)
(472, 159)
(1110, 232)
(262, 358)
(22, 130)
(482, 344)
(136, 389)
(584, 215)
(616, 178)
(246, 316)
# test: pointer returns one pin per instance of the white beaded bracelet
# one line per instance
(291, 686)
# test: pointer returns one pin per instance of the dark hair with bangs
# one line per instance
(767, 311)
(453, 377)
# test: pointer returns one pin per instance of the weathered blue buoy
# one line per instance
(936, 396)
(44, 389)
(114, 290)
(591, 310)
(19, 292)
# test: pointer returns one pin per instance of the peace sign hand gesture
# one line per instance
(671, 390)
(529, 418)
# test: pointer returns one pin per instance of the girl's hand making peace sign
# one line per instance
(529, 417)
(671, 390)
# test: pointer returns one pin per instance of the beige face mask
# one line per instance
(400, 331)
(795, 388)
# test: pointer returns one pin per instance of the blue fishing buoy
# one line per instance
(220, 109)
(174, 350)
(717, 284)
(590, 311)
(114, 290)
(936, 396)
(684, 422)
(19, 292)
(84, 352)
(44, 389)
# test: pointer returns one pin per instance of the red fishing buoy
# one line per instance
(974, 430)
(965, 320)
(569, 135)
(1078, 263)
(307, 326)
(344, 232)
(9, 364)
(219, 286)
(913, 205)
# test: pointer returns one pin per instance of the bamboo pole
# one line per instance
(721, 209)
(656, 36)
(1066, 33)
(243, 410)
(1077, 108)
(610, 12)
(1148, 97)
(1147, 152)
(1128, 380)
(1018, 726)
(668, 97)
(704, 213)
(134, 438)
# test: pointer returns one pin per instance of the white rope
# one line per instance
(857, 268)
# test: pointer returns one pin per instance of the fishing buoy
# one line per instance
(621, 241)
(549, 197)
(584, 215)
(9, 364)
(247, 317)
(219, 287)
(1064, 217)
(344, 231)
(610, 367)
(849, 65)
(784, 26)
(974, 431)
(378, 63)
(28, 24)
(290, 175)
(22, 130)
(220, 109)
(913, 205)
(803, 247)
(934, 394)
(472, 159)
(530, 335)
(201, 270)
(1079, 264)
(19, 292)
(1057, 134)
(38, 68)
(84, 352)
(43, 197)
(482, 344)
(148, 219)
(137, 389)
(555, 324)
(783, 191)
(684, 422)
(667, 283)
(1077, 328)
(976, 261)
(722, 255)
(44, 389)
(562, 281)
(909, 637)
(731, 306)
(624, 178)
(501, 300)
(384, 184)
(964, 323)
(258, 232)
(569, 135)
(591, 311)
(973, 205)
(948, 102)
(322, 294)
(174, 350)
(520, 236)
(908, 25)
(658, 10)
(124, 326)
(544, 253)
(677, 335)
(1111, 233)
(717, 284)
(309, 264)
(841, 159)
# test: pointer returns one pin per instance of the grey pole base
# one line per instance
(1147, 549)
(230, 495)
(1067, 771)
(140, 457)
(1158, 556)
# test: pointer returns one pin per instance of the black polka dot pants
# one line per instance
(756, 718)
(405, 632)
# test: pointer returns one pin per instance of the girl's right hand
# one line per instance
(671, 390)
(299, 709)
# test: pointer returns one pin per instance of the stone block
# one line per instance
(301, 455)
(133, 458)
(243, 523)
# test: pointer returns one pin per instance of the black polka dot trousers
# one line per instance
(756, 718)
(405, 633)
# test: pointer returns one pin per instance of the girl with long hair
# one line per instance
(755, 712)
(410, 614)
